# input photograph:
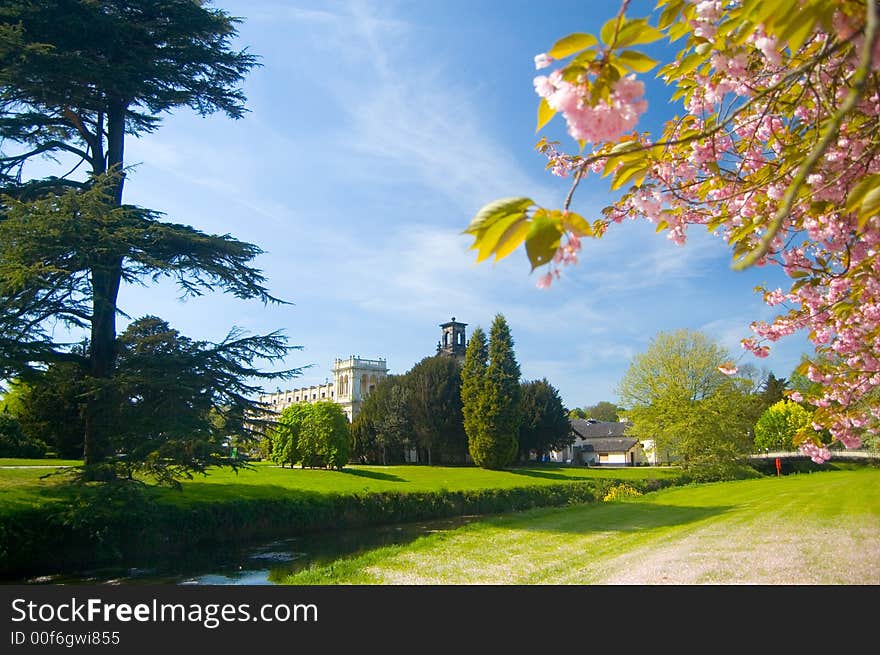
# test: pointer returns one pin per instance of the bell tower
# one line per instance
(452, 339)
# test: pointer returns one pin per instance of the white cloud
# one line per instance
(406, 116)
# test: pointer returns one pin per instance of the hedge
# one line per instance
(124, 526)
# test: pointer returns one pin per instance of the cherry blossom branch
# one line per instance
(859, 80)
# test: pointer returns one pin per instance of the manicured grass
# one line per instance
(36, 485)
(821, 528)
(27, 487)
(12, 461)
(267, 480)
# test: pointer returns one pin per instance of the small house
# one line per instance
(601, 443)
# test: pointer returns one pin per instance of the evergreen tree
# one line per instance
(545, 424)
(434, 386)
(497, 438)
(382, 428)
(77, 78)
(473, 379)
(14, 442)
(178, 403)
(773, 390)
(49, 408)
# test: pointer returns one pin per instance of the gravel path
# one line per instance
(772, 554)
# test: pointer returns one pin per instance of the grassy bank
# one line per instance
(801, 529)
(25, 488)
(48, 525)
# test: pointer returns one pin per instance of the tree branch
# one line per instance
(859, 79)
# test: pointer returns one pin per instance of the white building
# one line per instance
(353, 379)
(601, 442)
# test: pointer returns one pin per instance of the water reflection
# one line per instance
(265, 564)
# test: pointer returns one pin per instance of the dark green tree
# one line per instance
(14, 442)
(497, 438)
(545, 424)
(434, 386)
(76, 78)
(50, 408)
(382, 428)
(473, 380)
(772, 390)
(176, 399)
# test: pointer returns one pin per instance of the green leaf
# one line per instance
(636, 61)
(576, 223)
(627, 171)
(637, 32)
(870, 206)
(759, 11)
(860, 190)
(542, 240)
(495, 211)
(510, 240)
(670, 14)
(608, 30)
(678, 30)
(545, 114)
(584, 59)
(688, 64)
(568, 45)
(798, 24)
(489, 239)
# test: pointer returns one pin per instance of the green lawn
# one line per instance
(821, 528)
(28, 487)
(11, 461)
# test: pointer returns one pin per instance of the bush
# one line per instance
(621, 491)
(14, 443)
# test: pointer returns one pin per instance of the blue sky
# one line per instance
(376, 131)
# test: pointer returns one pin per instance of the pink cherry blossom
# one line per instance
(830, 254)
(543, 60)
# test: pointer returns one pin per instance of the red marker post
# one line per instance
(778, 466)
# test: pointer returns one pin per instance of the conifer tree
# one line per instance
(473, 378)
(76, 78)
(545, 424)
(493, 440)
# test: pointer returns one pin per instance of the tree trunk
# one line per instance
(106, 277)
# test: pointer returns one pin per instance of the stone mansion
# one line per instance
(354, 378)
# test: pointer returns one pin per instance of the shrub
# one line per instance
(621, 491)
(14, 443)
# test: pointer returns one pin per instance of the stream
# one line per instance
(263, 564)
